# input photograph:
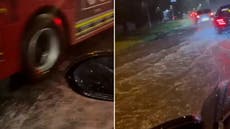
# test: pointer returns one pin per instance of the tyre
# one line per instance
(219, 31)
(42, 46)
(195, 22)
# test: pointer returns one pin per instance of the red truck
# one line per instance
(33, 33)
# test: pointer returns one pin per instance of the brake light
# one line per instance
(193, 14)
(211, 14)
(220, 22)
(198, 16)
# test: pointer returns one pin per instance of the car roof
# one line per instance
(204, 9)
(219, 11)
(225, 6)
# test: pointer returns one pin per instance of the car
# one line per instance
(202, 15)
(222, 19)
(215, 112)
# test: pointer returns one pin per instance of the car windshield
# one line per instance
(203, 11)
(225, 12)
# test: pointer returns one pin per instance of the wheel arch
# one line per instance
(53, 11)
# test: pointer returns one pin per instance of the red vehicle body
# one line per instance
(17, 16)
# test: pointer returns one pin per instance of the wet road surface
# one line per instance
(169, 77)
(50, 103)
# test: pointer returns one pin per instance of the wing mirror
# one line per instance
(185, 122)
(91, 75)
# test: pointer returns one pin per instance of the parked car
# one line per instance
(222, 19)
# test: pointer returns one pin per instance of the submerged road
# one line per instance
(50, 103)
(169, 77)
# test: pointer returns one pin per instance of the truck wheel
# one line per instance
(42, 46)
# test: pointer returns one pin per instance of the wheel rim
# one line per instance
(43, 50)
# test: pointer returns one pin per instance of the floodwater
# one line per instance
(169, 77)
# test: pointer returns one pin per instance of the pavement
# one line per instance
(50, 103)
(169, 77)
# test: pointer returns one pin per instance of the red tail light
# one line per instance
(193, 14)
(221, 22)
(211, 14)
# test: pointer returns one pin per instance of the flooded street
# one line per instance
(169, 77)
(51, 103)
